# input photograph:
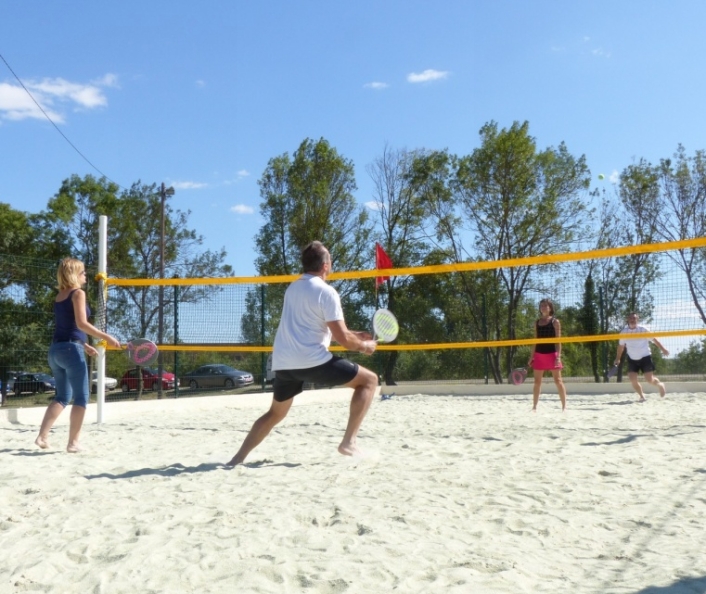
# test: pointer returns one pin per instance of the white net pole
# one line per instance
(102, 315)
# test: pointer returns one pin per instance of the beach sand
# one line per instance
(455, 494)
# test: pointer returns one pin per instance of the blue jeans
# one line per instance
(68, 364)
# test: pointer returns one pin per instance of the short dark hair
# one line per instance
(314, 256)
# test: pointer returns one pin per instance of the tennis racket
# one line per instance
(385, 326)
(612, 372)
(518, 376)
(141, 351)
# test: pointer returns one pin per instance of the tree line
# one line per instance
(507, 199)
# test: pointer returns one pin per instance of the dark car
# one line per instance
(216, 376)
(34, 382)
(150, 380)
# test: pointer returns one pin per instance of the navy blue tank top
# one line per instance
(546, 331)
(65, 320)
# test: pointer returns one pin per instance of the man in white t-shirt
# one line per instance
(639, 356)
(311, 316)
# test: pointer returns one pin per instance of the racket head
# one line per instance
(142, 352)
(518, 376)
(385, 325)
(612, 372)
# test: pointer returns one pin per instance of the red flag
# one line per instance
(382, 260)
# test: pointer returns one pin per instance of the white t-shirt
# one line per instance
(639, 347)
(303, 338)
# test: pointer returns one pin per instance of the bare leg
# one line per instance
(561, 388)
(636, 386)
(50, 416)
(261, 428)
(364, 385)
(75, 424)
(536, 388)
(654, 380)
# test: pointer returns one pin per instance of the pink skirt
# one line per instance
(546, 362)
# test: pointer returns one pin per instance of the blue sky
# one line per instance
(201, 95)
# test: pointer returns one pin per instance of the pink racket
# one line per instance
(141, 351)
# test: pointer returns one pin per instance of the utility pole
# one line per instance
(164, 192)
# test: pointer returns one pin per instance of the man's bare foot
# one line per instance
(41, 442)
(74, 448)
(662, 389)
(641, 399)
(234, 462)
(349, 449)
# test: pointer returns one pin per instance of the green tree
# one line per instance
(590, 323)
(680, 213)
(134, 240)
(400, 217)
(304, 198)
(513, 201)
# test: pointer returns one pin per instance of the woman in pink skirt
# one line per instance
(547, 356)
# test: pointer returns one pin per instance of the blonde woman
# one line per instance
(547, 356)
(68, 350)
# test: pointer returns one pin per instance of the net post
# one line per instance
(102, 316)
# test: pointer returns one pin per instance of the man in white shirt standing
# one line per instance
(639, 356)
(311, 316)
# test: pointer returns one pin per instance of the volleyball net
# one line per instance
(459, 318)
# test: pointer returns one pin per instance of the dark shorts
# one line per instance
(645, 365)
(290, 382)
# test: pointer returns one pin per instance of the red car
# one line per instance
(150, 380)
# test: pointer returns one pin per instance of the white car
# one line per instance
(110, 383)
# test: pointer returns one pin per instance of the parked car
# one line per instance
(269, 374)
(216, 376)
(150, 380)
(11, 377)
(34, 382)
(110, 383)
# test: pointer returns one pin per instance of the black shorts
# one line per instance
(290, 382)
(645, 365)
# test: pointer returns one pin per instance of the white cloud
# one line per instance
(614, 177)
(200, 83)
(239, 175)
(377, 86)
(242, 209)
(600, 53)
(16, 104)
(427, 76)
(373, 205)
(52, 94)
(188, 185)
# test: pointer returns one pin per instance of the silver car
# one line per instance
(110, 383)
(216, 376)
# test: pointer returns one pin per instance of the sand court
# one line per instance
(456, 493)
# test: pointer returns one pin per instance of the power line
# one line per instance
(46, 115)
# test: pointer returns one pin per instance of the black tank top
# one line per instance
(546, 331)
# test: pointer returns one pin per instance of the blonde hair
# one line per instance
(68, 273)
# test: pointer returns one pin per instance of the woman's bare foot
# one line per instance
(662, 389)
(74, 448)
(42, 442)
(349, 449)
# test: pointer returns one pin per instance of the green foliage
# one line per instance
(307, 198)
(514, 201)
(691, 360)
